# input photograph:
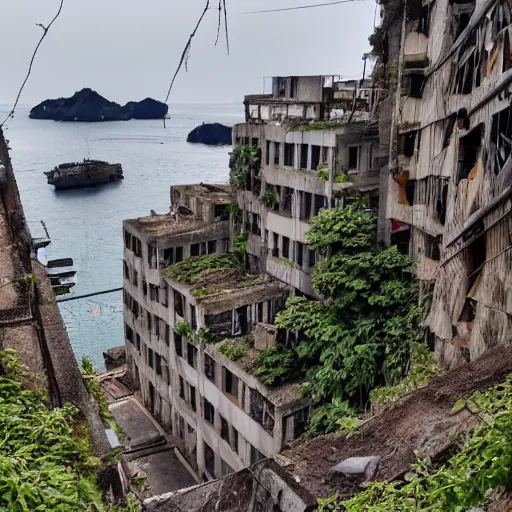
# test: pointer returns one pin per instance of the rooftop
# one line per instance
(219, 277)
(214, 193)
(165, 226)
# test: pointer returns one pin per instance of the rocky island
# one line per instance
(213, 134)
(89, 106)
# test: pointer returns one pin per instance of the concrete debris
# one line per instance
(358, 465)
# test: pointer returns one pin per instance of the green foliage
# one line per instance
(94, 389)
(184, 329)
(233, 208)
(323, 172)
(332, 417)
(461, 482)
(359, 337)
(239, 247)
(206, 336)
(340, 178)
(423, 368)
(330, 125)
(276, 365)
(347, 229)
(202, 292)
(241, 160)
(192, 270)
(46, 462)
(238, 178)
(270, 197)
(234, 349)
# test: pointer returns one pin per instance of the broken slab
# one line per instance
(358, 466)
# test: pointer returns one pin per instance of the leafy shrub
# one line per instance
(234, 349)
(276, 365)
(184, 329)
(332, 417)
(45, 457)
(240, 247)
(270, 197)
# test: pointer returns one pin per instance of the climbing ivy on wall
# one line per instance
(241, 160)
(359, 337)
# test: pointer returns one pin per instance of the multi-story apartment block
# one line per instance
(317, 137)
(449, 183)
(181, 293)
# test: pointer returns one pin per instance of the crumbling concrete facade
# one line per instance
(449, 170)
(221, 415)
(318, 139)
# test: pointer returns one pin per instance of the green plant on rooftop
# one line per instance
(206, 336)
(270, 197)
(234, 349)
(45, 456)
(341, 178)
(482, 462)
(192, 270)
(326, 125)
(359, 337)
(202, 292)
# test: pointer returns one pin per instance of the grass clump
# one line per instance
(234, 349)
(193, 269)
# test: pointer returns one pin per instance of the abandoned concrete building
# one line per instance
(225, 418)
(317, 137)
(448, 184)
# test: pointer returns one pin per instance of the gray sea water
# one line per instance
(86, 224)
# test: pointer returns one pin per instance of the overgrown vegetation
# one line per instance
(45, 455)
(323, 172)
(241, 160)
(183, 329)
(270, 197)
(234, 349)
(94, 389)
(327, 125)
(359, 337)
(240, 248)
(482, 463)
(192, 270)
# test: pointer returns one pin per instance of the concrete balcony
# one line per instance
(291, 274)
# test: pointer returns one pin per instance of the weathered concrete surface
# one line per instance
(138, 428)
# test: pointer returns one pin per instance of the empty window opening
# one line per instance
(158, 364)
(307, 201)
(193, 317)
(400, 236)
(424, 20)
(414, 84)
(209, 367)
(178, 343)
(150, 358)
(275, 248)
(208, 411)
(433, 247)
(182, 388)
(195, 250)
(179, 301)
(212, 246)
(191, 355)
(256, 455)
(241, 321)
(304, 156)
(277, 151)
(260, 312)
(286, 201)
(152, 256)
(179, 255)
(408, 143)
(267, 155)
(192, 397)
(126, 270)
(221, 212)
(315, 157)
(320, 202)
(441, 204)
(501, 138)
(289, 155)
(286, 247)
(224, 429)
(127, 240)
(262, 411)
(231, 386)
(353, 157)
(469, 151)
(294, 81)
(209, 460)
(299, 253)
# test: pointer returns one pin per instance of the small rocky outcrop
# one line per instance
(213, 134)
(89, 106)
(114, 358)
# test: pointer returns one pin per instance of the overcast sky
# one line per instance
(128, 50)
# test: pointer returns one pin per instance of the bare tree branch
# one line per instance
(45, 31)
(226, 24)
(218, 24)
(187, 48)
